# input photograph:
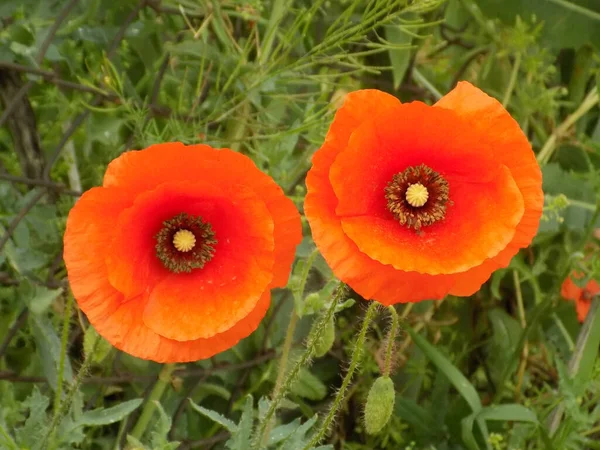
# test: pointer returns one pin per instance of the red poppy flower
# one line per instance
(582, 296)
(172, 259)
(408, 202)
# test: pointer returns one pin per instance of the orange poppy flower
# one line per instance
(408, 202)
(581, 296)
(173, 258)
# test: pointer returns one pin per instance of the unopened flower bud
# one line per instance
(380, 404)
(326, 340)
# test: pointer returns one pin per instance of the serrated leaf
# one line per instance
(160, 433)
(38, 298)
(93, 341)
(36, 424)
(298, 439)
(105, 416)
(282, 432)
(239, 440)
(505, 337)
(309, 386)
(216, 417)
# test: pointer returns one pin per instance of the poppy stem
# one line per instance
(262, 433)
(66, 403)
(391, 340)
(285, 354)
(164, 379)
(354, 362)
(61, 366)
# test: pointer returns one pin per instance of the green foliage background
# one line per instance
(509, 368)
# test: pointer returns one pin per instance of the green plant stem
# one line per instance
(513, 80)
(283, 362)
(564, 332)
(522, 320)
(63, 355)
(341, 394)
(548, 149)
(576, 8)
(313, 339)
(420, 78)
(278, 11)
(164, 379)
(391, 340)
(66, 404)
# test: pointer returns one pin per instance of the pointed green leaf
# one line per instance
(216, 417)
(105, 416)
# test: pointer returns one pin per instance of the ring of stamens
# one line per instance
(185, 243)
(417, 196)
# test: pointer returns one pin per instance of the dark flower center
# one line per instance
(184, 243)
(417, 196)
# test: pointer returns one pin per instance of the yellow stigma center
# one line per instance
(184, 240)
(417, 195)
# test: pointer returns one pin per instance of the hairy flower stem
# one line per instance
(283, 362)
(164, 379)
(63, 352)
(391, 339)
(262, 434)
(355, 361)
(61, 364)
(66, 404)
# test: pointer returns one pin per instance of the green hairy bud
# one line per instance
(326, 340)
(380, 404)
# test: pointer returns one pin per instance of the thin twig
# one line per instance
(15, 222)
(12, 331)
(52, 77)
(33, 182)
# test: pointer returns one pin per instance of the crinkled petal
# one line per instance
(509, 146)
(471, 231)
(162, 163)
(207, 301)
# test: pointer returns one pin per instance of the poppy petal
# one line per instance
(383, 147)
(509, 146)
(125, 329)
(239, 272)
(88, 236)
(368, 277)
(161, 163)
